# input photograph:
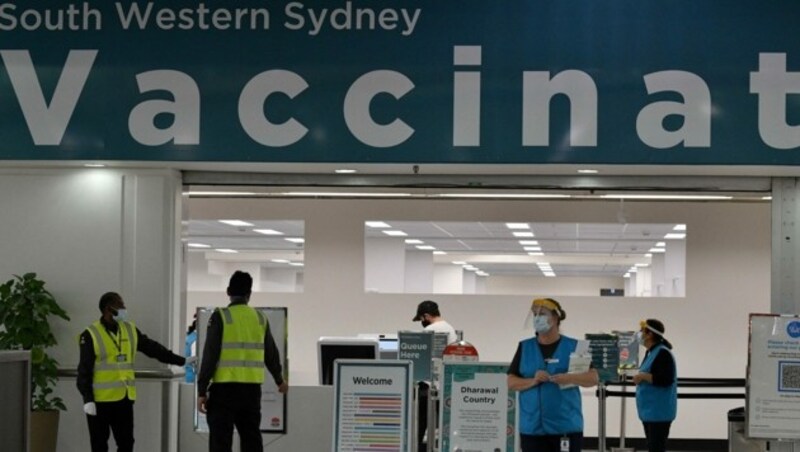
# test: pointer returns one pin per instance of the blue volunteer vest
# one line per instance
(657, 403)
(547, 409)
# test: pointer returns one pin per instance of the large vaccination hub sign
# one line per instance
(402, 81)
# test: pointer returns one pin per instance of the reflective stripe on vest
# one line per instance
(113, 379)
(241, 358)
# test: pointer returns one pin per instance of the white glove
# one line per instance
(191, 360)
(90, 409)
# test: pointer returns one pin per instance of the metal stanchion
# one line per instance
(415, 419)
(601, 417)
(432, 431)
(622, 418)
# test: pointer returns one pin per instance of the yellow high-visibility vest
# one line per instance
(114, 356)
(241, 358)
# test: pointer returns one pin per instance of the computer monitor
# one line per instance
(387, 344)
(329, 349)
(388, 347)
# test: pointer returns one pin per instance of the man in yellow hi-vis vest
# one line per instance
(106, 375)
(238, 345)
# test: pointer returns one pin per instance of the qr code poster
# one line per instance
(773, 377)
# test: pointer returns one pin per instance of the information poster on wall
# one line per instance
(273, 403)
(417, 346)
(372, 405)
(773, 377)
(605, 352)
(477, 414)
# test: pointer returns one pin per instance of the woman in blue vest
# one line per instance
(656, 385)
(550, 413)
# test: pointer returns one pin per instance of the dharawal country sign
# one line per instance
(402, 81)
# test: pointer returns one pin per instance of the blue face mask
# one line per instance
(121, 315)
(541, 323)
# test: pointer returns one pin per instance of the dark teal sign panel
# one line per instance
(414, 81)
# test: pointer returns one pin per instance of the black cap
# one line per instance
(426, 307)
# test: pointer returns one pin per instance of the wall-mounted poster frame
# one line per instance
(773, 377)
(273, 403)
(373, 403)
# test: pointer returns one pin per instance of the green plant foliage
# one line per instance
(25, 306)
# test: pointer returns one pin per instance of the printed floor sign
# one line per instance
(478, 413)
(773, 377)
(372, 405)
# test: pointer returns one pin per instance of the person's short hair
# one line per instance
(107, 299)
(240, 284)
(427, 307)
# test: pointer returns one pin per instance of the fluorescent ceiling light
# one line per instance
(377, 224)
(94, 165)
(471, 268)
(641, 265)
(395, 233)
(518, 226)
(528, 242)
(296, 240)
(426, 247)
(626, 275)
(532, 248)
(588, 171)
(533, 253)
(481, 273)
(549, 274)
(296, 264)
(459, 263)
(661, 244)
(668, 197)
(767, 198)
(523, 234)
(198, 245)
(335, 194)
(679, 227)
(657, 250)
(414, 242)
(268, 231)
(502, 195)
(439, 252)
(648, 255)
(345, 171)
(221, 193)
(225, 250)
(236, 223)
(675, 235)
(280, 261)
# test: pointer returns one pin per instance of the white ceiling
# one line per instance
(572, 249)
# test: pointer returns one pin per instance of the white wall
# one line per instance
(86, 232)
(728, 276)
(561, 286)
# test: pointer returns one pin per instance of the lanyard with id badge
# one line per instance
(117, 341)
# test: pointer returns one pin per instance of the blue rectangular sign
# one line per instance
(402, 81)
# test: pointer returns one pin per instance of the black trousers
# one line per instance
(116, 417)
(550, 443)
(656, 434)
(232, 405)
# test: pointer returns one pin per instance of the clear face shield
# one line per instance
(542, 316)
